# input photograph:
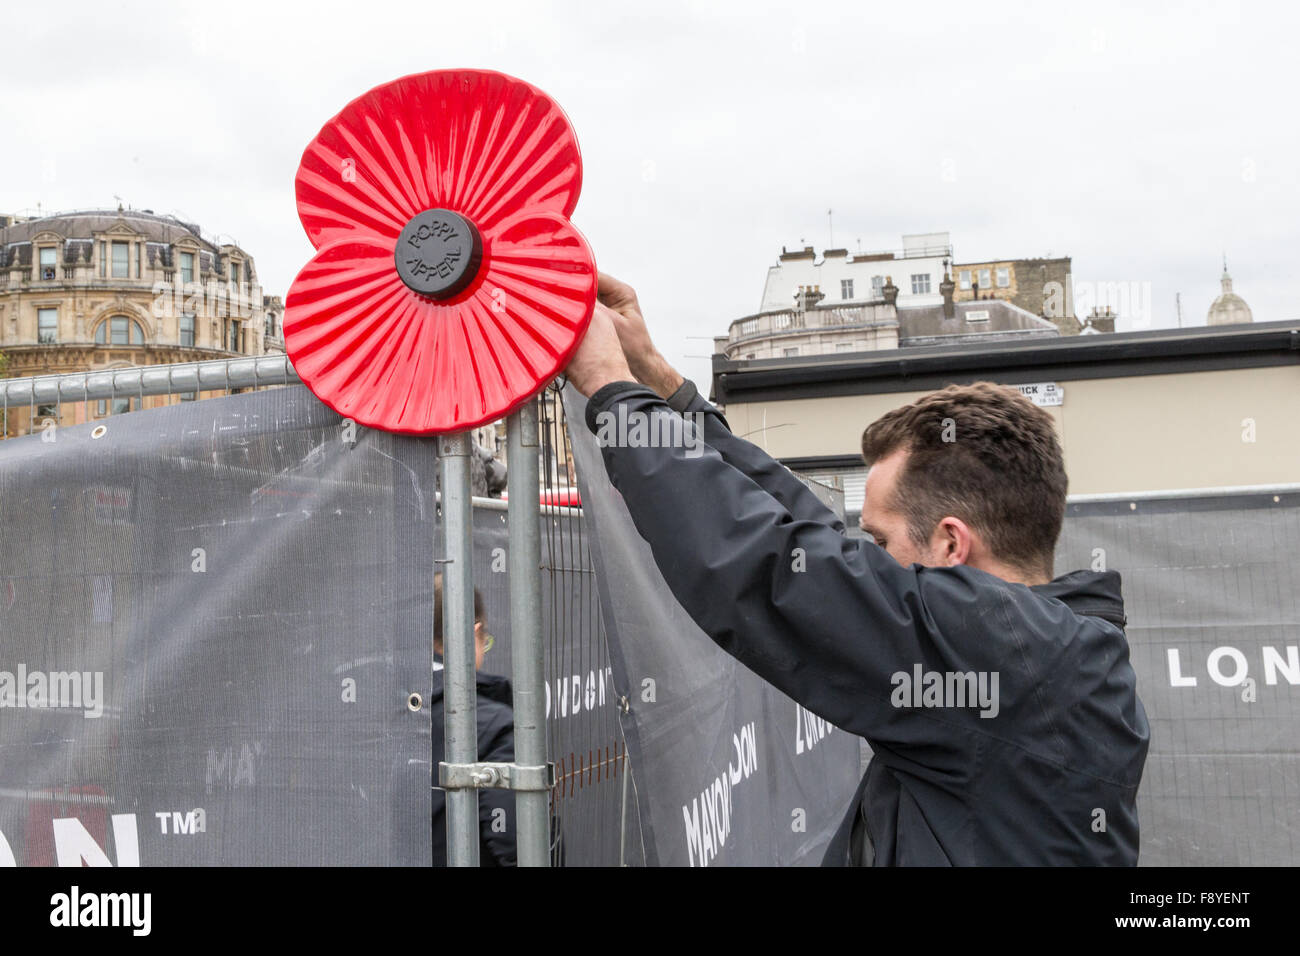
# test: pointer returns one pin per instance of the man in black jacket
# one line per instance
(998, 701)
(496, 744)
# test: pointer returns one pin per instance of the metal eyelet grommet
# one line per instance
(414, 703)
(99, 431)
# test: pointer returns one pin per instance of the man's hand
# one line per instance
(599, 359)
(644, 360)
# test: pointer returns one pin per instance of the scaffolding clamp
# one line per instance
(495, 776)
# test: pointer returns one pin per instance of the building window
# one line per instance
(920, 283)
(790, 351)
(47, 326)
(187, 267)
(984, 279)
(963, 278)
(189, 396)
(120, 405)
(234, 272)
(119, 330)
(1004, 278)
(121, 260)
(844, 346)
(232, 343)
(750, 355)
(103, 257)
(187, 329)
(846, 288)
(877, 287)
(48, 263)
(47, 411)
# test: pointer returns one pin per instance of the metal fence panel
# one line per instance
(1210, 591)
(241, 587)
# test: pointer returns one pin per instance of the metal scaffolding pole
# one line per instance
(460, 694)
(531, 805)
(219, 374)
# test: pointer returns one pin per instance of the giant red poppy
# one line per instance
(448, 284)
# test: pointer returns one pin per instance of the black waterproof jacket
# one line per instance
(496, 744)
(1047, 776)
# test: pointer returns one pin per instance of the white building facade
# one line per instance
(854, 280)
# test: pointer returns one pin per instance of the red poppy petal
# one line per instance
(477, 142)
(380, 354)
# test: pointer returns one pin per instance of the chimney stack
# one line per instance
(890, 291)
(946, 288)
(808, 296)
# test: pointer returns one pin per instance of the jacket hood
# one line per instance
(1091, 593)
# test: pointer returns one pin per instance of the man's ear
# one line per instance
(952, 542)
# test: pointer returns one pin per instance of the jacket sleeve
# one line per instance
(750, 460)
(826, 619)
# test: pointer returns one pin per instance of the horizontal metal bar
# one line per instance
(497, 504)
(1221, 492)
(244, 372)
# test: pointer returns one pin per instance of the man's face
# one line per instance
(885, 525)
(480, 645)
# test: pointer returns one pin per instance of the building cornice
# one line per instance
(1113, 355)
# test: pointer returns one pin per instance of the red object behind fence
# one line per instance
(448, 285)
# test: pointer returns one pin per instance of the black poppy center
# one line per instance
(438, 253)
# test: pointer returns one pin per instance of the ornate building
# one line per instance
(898, 299)
(101, 289)
(1229, 308)
(812, 327)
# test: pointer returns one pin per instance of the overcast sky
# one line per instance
(1144, 143)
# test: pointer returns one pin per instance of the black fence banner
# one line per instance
(215, 644)
(729, 771)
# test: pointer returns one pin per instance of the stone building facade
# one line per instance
(103, 289)
(1040, 286)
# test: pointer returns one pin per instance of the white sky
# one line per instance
(1142, 142)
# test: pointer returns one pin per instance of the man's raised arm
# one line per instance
(826, 619)
(651, 369)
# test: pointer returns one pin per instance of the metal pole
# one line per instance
(532, 810)
(250, 371)
(460, 695)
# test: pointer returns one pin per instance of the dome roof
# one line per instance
(1229, 308)
(84, 223)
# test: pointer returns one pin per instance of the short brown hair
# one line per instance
(480, 615)
(983, 453)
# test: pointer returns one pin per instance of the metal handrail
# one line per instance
(247, 371)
